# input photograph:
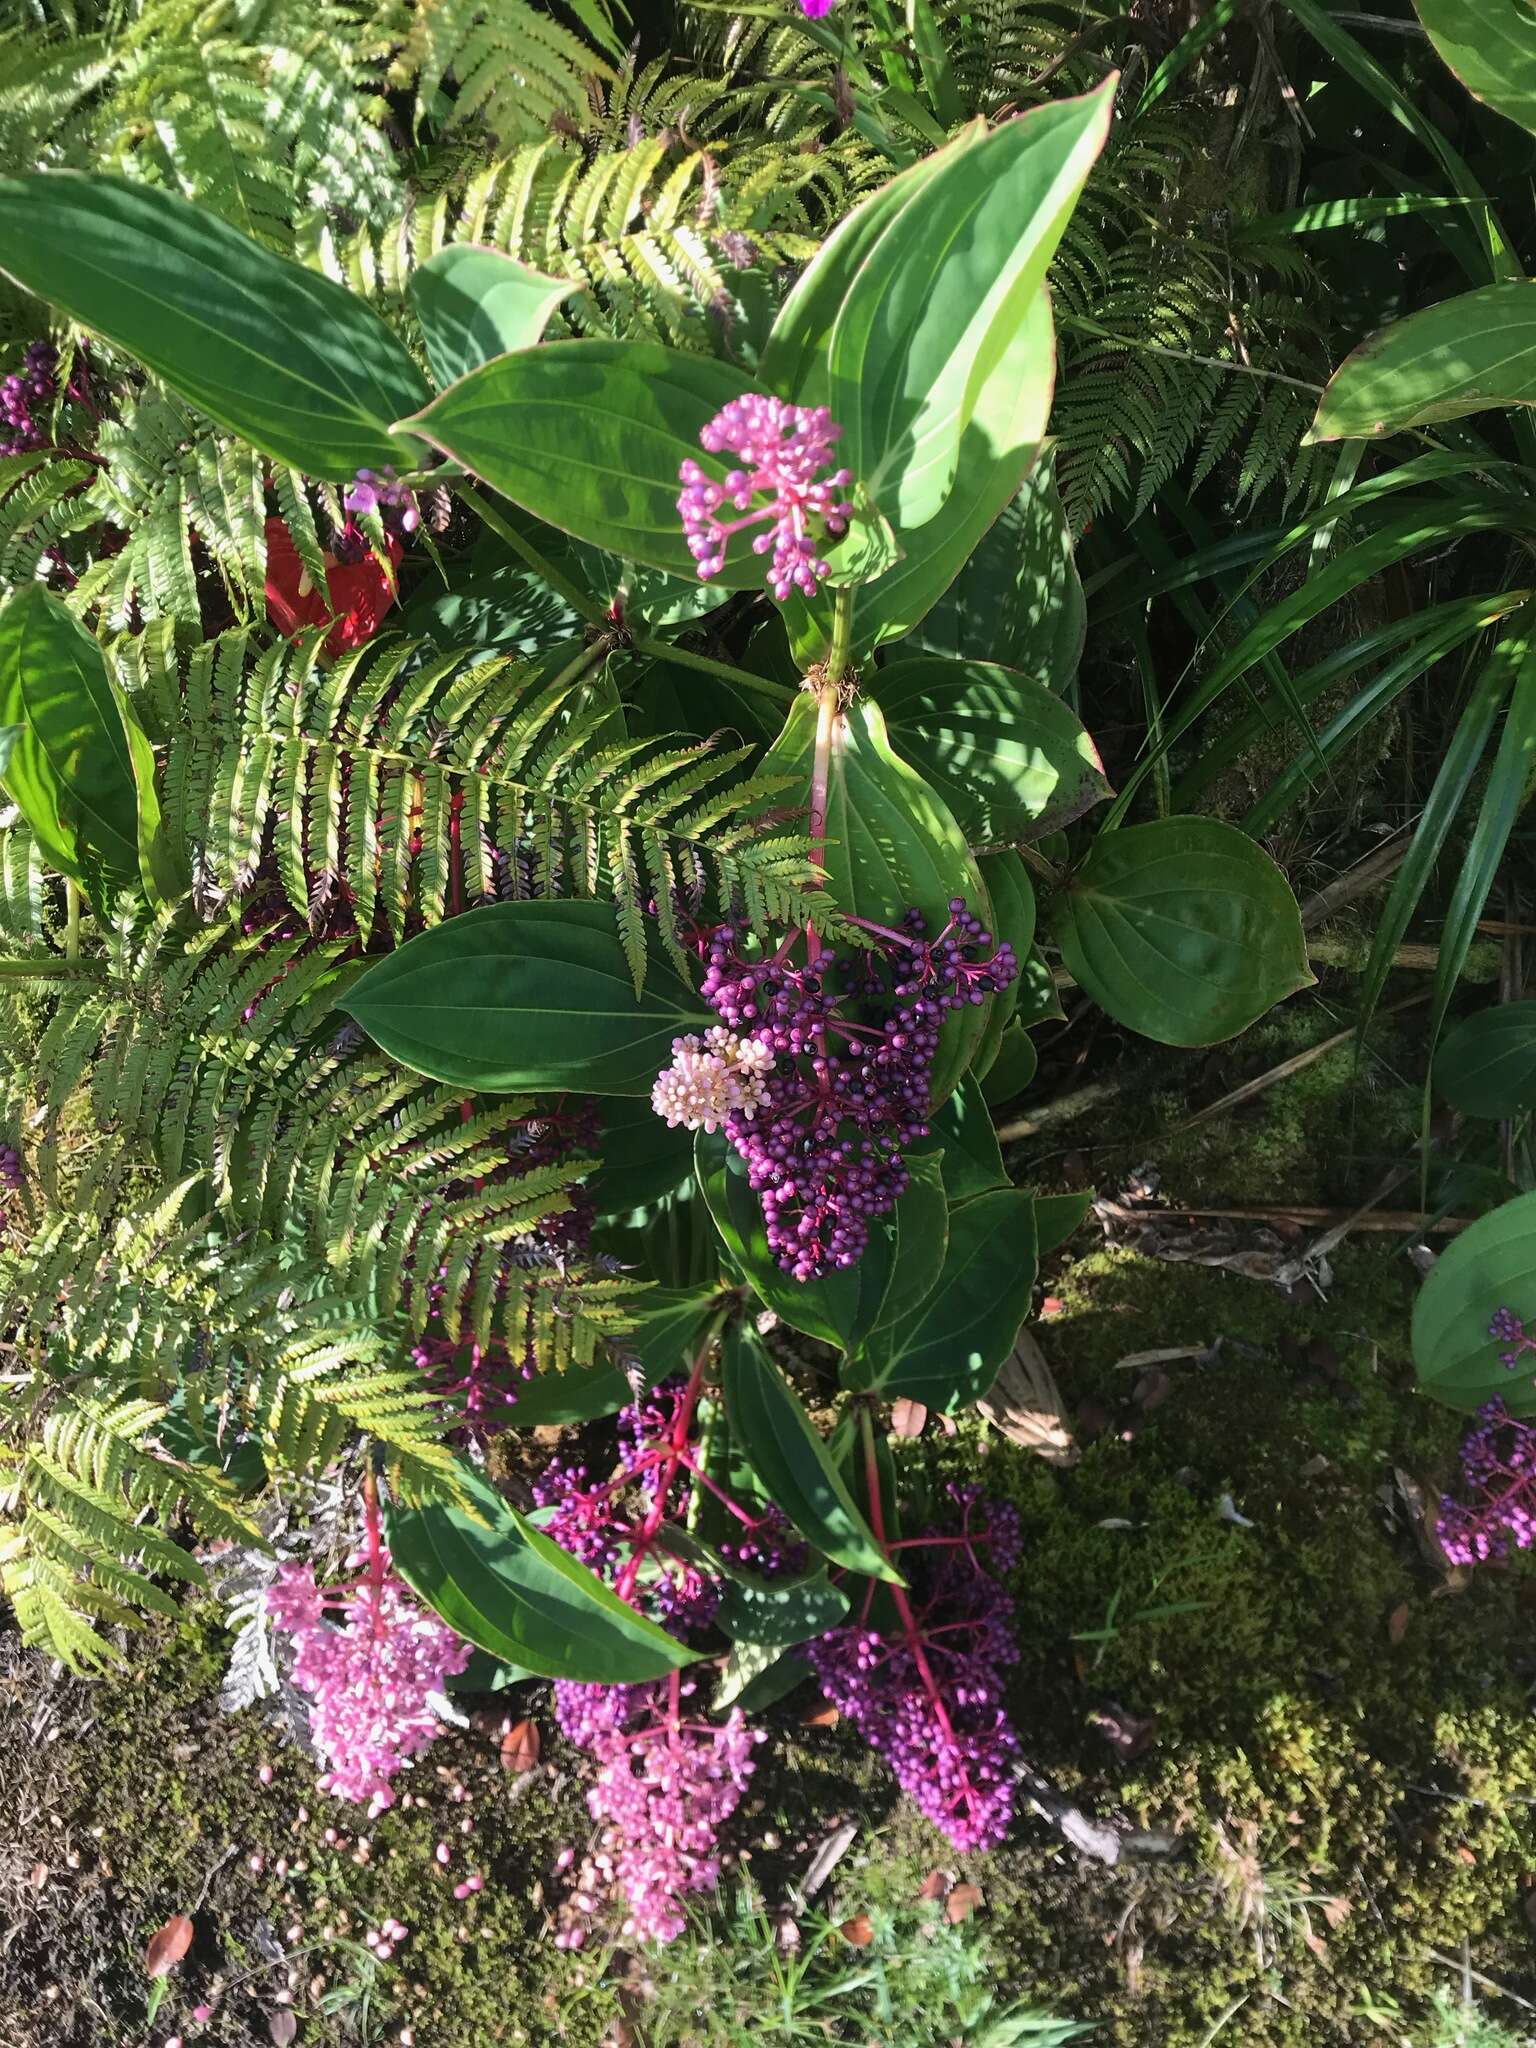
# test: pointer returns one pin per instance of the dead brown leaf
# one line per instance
(962, 1903)
(1025, 1404)
(824, 1716)
(1397, 1623)
(933, 1885)
(167, 1946)
(908, 1418)
(520, 1747)
(859, 1931)
(37, 1876)
(1127, 1734)
(282, 2026)
(1336, 1911)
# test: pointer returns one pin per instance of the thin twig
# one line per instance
(1295, 1212)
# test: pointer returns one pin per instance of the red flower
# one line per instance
(356, 595)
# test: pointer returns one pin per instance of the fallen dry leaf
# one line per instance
(1336, 1911)
(37, 1877)
(1466, 1855)
(962, 1903)
(1052, 1305)
(282, 2026)
(932, 1886)
(908, 1417)
(520, 1747)
(1397, 1623)
(167, 1946)
(824, 1716)
(1127, 1734)
(1025, 1404)
(858, 1932)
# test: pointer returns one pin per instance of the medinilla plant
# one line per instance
(577, 1003)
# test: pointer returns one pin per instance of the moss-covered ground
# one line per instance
(1337, 1732)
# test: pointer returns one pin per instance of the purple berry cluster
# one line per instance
(850, 1086)
(35, 384)
(1498, 1463)
(1509, 1329)
(927, 1695)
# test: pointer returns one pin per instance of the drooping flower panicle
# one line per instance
(779, 488)
(927, 1694)
(841, 1072)
(371, 1678)
(1505, 1327)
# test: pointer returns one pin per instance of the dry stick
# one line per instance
(1298, 1212)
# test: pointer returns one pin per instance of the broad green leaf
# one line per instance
(287, 359)
(163, 866)
(780, 1613)
(1018, 599)
(1491, 47)
(1463, 356)
(576, 1395)
(475, 303)
(1183, 929)
(589, 437)
(1057, 1216)
(922, 1234)
(670, 1323)
(525, 996)
(643, 1158)
(942, 295)
(505, 1586)
(840, 1306)
(1013, 919)
(892, 843)
(973, 1160)
(1013, 1069)
(775, 1434)
(999, 451)
(1487, 1065)
(66, 762)
(1011, 760)
(1488, 1267)
(1038, 1001)
(946, 1352)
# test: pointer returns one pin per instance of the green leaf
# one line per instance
(1057, 1216)
(942, 295)
(892, 843)
(1183, 929)
(163, 866)
(286, 358)
(575, 1395)
(840, 1306)
(476, 303)
(947, 1351)
(922, 1235)
(1465, 355)
(66, 762)
(505, 1586)
(973, 1160)
(1491, 47)
(525, 996)
(780, 1613)
(999, 449)
(775, 1434)
(589, 437)
(1018, 599)
(1490, 1266)
(1010, 759)
(1038, 1000)
(669, 1327)
(1487, 1065)
(1015, 1066)
(1012, 896)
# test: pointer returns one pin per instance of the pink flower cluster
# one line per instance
(783, 448)
(666, 1784)
(371, 1678)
